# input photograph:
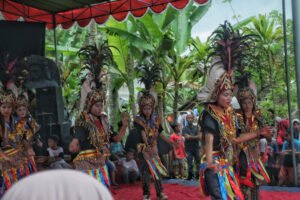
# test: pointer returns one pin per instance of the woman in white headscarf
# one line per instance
(58, 185)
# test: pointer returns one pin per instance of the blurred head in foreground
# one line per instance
(58, 185)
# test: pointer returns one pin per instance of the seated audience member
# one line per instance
(116, 148)
(263, 146)
(286, 174)
(58, 185)
(56, 154)
(296, 128)
(179, 150)
(130, 171)
(273, 166)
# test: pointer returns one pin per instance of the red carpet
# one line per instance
(173, 191)
(274, 195)
(180, 192)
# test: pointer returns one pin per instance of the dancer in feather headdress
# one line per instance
(93, 135)
(251, 170)
(16, 160)
(147, 128)
(218, 120)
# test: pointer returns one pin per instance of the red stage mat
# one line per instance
(180, 192)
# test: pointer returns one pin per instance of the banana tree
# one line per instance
(198, 51)
(153, 36)
(269, 37)
(131, 49)
(123, 46)
(181, 27)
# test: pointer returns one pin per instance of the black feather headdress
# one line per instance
(149, 75)
(227, 51)
(230, 46)
(94, 60)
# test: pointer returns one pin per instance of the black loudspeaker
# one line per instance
(50, 104)
(51, 116)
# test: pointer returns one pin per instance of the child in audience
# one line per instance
(56, 154)
(130, 171)
(178, 149)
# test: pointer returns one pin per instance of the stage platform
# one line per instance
(177, 189)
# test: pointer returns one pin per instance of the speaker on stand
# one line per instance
(42, 119)
(50, 115)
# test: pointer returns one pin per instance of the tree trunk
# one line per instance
(271, 77)
(175, 103)
(160, 109)
(130, 85)
(115, 118)
(261, 81)
(92, 38)
(164, 99)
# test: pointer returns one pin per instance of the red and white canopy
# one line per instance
(67, 12)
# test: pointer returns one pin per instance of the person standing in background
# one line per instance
(296, 128)
(192, 137)
(179, 150)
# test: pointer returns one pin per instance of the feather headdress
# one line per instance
(227, 48)
(94, 60)
(13, 74)
(149, 75)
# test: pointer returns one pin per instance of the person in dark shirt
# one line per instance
(92, 137)
(192, 137)
(286, 174)
(147, 125)
(296, 127)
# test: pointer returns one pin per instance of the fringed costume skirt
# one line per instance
(90, 163)
(223, 184)
(19, 167)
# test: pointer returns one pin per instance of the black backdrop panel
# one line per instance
(21, 39)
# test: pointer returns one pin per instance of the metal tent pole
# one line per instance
(54, 36)
(296, 28)
(287, 80)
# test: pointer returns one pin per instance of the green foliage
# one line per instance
(267, 67)
(165, 41)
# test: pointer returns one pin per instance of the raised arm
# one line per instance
(122, 131)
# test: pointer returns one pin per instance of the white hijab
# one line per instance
(58, 185)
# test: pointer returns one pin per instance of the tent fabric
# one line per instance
(100, 12)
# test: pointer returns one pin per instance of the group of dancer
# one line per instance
(231, 167)
(93, 134)
(17, 135)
